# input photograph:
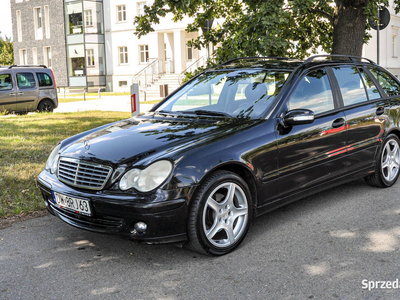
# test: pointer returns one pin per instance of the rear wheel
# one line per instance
(220, 214)
(388, 163)
(45, 106)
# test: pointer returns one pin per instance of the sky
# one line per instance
(5, 18)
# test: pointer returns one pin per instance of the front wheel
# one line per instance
(388, 163)
(220, 214)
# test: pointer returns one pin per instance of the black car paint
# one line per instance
(281, 164)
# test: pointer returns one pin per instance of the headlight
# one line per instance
(148, 179)
(51, 164)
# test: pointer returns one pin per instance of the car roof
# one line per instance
(285, 63)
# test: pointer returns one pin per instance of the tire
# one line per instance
(387, 164)
(217, 224)
(45, 106)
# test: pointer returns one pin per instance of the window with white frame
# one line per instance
(189, 52)
(34, 56)
(19, 26)
(37, 17)
(88, 17)
(90, 57)
(123, 83)
(143, 53)
(47, 21)
(23, 59)
(394, 40)
(121, 13)
(47, 56)
(123, 55)
(140, 8)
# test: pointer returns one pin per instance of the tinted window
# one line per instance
(44, 79)
(5, 82)
(351, 85)
(387, 82)
(372, 90)
(25, 80)
(313, 93)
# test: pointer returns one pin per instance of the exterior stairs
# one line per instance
(152, 92)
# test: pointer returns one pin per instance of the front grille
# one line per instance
(83, 174)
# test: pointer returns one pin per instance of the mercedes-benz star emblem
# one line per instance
(87, 144)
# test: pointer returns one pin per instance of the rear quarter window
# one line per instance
(44, 79)
(387, 82)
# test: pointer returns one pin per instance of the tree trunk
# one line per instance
(349, 27)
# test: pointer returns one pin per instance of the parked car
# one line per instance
(234, 142)
(27, 88)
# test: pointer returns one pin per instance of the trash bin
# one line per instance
(163, 90)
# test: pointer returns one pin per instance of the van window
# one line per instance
(5, 82)
(26, 80)
(44, 79)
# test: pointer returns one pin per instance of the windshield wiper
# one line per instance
(211, 113)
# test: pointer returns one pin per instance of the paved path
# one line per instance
(321, 247)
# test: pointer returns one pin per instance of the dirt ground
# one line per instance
(7, 222)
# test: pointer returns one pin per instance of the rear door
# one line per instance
(27, 92)
(366, 113)
(7, 92)
(312, 154)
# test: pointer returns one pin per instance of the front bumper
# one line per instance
(117, 214)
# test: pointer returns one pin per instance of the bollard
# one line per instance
(84, 94)
(99, 93)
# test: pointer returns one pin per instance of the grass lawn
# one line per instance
(25, 144)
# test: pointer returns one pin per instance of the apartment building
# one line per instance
(91, 43)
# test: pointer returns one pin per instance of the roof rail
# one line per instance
(256, 57)
(27, 66)
(350, 57)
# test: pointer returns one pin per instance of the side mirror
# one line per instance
(298, 117)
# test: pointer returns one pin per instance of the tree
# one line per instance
(292, 28)
(6, 51)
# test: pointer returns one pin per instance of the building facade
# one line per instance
(39, 35)
(91, 43)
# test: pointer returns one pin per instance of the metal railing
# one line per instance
(150, 73)
(202, 61)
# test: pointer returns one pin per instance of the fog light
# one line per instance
(140, 227)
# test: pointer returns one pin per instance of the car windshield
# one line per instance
(236, 93)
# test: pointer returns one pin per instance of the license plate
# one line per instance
(77, 205)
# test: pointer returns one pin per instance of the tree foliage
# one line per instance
(6, 51)
(289, 28)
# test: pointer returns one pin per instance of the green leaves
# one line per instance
(6, 51)
(295, 28)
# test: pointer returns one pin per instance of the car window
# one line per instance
(243, 93)
(25, 80)
(351, 85)
(5, 82)
(313, 92)
(44, 79)
(387, 82)
(372, 90)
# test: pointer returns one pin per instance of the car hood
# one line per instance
(148, 136)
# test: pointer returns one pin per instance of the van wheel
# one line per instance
(45, 106)
(220, 214)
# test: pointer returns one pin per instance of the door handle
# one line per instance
(20, 93)
(338, 123)
(380, 110)
(12, 94)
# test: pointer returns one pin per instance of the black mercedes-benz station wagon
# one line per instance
(234, 142)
